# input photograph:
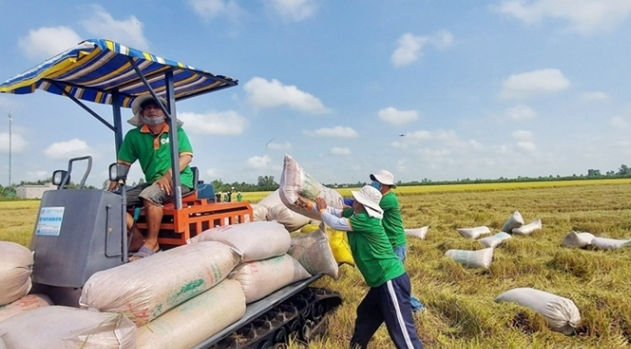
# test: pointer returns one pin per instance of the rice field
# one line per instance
(460, 308)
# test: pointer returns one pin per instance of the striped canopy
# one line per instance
(95, 68)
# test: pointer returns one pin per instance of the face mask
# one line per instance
(376, 185)
(152, 121)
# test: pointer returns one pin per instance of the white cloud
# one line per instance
(209, 9)
(66, 150)
(596, 96)
(340, 151)
(337, 131)
(534, 83)
(522, 135)
(410, 46)
(213, 173)
(279, 146)
(294, 10)
(214, 123)
(526, 146)
(397, 117)
(18, 143)
(584, 16)
(616, 122)
(47, 42)
(521, 112)
(127, 31)
(258, 162)
(269, 94)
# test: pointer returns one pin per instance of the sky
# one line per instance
(427, 89)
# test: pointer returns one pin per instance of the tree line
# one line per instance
(268, 183)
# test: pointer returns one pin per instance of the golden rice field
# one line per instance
(460, 308)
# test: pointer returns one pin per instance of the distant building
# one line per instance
(33, 191)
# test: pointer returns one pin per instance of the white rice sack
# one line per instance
(417, 232)
(260, 278)
(493, 241)
(2, 346)
(296, 183)
(253, 241)
(195, 320)
(560, 313)
(314, 253)
(527, 228)
(609, 244)
(144, 289)
(270, 200)
(62, 327)
(259, 212)
(26, 303)
(16, 267)
(514, 221)
(474, 233)
(290, 219)
(574, 239)
(473, 259)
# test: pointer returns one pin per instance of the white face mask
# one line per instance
(152, 121)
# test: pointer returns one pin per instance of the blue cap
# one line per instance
(349, 202)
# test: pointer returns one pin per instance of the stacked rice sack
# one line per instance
(265, 265)
(176, 298)
(16, 267)
(271, 208)
(65, 327)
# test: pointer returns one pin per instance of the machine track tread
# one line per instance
(301, 317)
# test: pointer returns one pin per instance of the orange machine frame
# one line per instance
(195, 216)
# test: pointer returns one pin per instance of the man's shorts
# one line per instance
(152, 193)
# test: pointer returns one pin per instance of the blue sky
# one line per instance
(478, 89)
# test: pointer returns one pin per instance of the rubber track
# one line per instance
(301, 317)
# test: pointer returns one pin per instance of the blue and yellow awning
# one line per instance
(95, 68)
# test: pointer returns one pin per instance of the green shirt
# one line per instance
(154, 153)
(371, 250)
(392, 220)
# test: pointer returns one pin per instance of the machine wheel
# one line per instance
(266, 345)
(305, 331)
(280, 337)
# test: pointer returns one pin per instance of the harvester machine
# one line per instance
(82, 231)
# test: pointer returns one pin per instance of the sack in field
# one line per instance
(260, 278)
(288, 218)
(560, 313)
(296, 183)
(62, 327)
(609, 244)
(474, 233)
(16, 266)
(418, 232)
(26, 303)
(492, 241)
(514, 221)
(472, 259)
(259, 212)
(144, 289)
(195, 320)
(527, 228)
(253, 241)
(314, 253)
(575, 239)
(338, 241)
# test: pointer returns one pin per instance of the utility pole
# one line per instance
(10, 123)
